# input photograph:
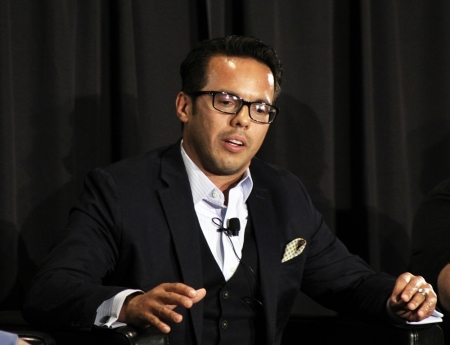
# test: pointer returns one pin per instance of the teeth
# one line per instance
(237, 142)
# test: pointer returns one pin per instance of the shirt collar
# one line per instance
(201, 185)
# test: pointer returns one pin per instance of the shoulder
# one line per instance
(260, 167)
(270, 175)
(280, 182)
(138, 171)
(144, 160)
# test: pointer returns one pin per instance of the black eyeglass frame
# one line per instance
(244, 102)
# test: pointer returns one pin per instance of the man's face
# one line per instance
(224, 144)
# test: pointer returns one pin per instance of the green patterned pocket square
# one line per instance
(293, 249)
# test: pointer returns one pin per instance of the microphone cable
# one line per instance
(233, 230)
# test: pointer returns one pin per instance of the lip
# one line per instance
(235, 143)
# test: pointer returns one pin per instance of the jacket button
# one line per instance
(224, 324)
(225, 294)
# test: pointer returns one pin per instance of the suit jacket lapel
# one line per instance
(264, 224)
(178, 206)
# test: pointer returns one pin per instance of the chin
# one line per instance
(222, 170)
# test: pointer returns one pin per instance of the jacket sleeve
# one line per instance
(67, 289)
(340, 280)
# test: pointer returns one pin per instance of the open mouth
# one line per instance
(236, 142)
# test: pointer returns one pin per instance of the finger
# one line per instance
(412, 287)
(200, 294)
(173, 298)
(429, 304)
(417, 299)
(400, 284)
(156, 321)
(156, 317)
(182, 295)
(406, 287)
(166, 312)
(180, 288)
(402, 281)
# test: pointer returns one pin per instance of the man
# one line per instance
(203, 240)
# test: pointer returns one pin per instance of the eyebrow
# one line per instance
(257, 101)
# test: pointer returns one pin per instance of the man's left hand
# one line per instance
(413, 298)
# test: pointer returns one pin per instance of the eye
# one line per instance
(226, 101)
(261, 109)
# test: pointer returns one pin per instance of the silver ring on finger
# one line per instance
(423, 292)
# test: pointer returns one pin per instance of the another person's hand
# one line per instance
(413, 298)
(158, 304)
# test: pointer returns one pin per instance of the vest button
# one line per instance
(224, 324)
(225, 295)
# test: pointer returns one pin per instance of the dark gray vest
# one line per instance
(233, 312)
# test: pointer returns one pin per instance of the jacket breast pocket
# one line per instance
(293, 267)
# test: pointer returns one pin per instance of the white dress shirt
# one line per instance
(209, 203)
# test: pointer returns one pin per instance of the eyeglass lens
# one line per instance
(231, 104)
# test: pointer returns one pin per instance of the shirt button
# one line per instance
(224, 324)
(215, 194)
(225, 294)
(232, 269)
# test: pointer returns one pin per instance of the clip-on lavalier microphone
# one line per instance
(234, 225)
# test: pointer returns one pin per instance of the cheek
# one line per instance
(259, 138)
(207, 133)
(207, 130)
(215, 126)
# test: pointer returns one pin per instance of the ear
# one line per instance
(183, 105)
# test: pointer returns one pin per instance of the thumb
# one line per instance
(200, 293)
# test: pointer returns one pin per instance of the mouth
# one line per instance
(235, 142)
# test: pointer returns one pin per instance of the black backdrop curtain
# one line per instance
(365, 119)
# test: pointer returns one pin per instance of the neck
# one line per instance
(225, 183)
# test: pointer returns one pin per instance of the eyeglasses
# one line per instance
(231, 104)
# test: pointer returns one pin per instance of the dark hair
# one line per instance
(193, 68)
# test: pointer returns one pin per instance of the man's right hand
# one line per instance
(158, 304)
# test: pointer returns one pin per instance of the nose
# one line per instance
(242, 118)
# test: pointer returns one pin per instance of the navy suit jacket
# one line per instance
(135, 226)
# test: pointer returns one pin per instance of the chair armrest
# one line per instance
(351, 331)
(126, 335)
(147, 336)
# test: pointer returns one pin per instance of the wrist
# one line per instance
(124, 310)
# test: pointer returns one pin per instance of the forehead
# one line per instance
(238, 74)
